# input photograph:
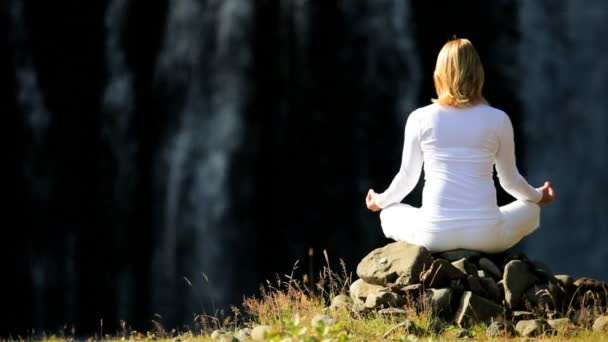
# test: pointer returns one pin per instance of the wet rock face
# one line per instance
(467, 287)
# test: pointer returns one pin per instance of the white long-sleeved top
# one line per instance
(458, 148)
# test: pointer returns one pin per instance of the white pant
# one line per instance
(519, 219)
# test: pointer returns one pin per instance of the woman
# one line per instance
(459, 138)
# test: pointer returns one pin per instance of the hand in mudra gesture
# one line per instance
(548, 194)
(370, 200)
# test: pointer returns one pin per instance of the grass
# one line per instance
(288, 306)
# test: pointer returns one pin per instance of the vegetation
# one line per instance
(290, 309)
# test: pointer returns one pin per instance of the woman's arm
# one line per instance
(508, 175)
(411, 166)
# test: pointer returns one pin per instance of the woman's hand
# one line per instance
(548, 194)
(370, 200)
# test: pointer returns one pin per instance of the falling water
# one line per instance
(563, 78)
(31, 103)
(387, 28)
(117, 112)
(202, 66)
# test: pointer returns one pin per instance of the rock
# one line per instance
(560, 324)
(384, 300)
(542, 268)
(440, 273)
(482, 274)
(440, 301)
(458, 254)
(411, 292)
(489, 285)
(436, 326)
(243, 334)
(517, 278)
(601, 324)
(360, 289)
(216, 334)
(547, 297)
(532, 327)
(341, 301)
(458, 286)
(474, 286)
(488, 266)
(473, 308)
(462, 333)
(465, 266)
(520, 315)
(567, 281)
(398, 262)
(590, 292)
(358, 306)
(500, 329)
(583, 317)
(392, 312)
(321, 320)
(259, 333)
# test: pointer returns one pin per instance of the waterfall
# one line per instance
(391, 70)
(116, 116)
(202, 68)
(562, 84)
(37, 120)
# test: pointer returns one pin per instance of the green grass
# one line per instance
(288, 306)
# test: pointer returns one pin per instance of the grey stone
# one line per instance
(462, 333)
(566, 280)
(601, 324)
(321, 320)
(243, 334)
(543, 270)
(436, 326)
(358, 306)
(384, 300)
(546, 297)
(439, 300)
(474, 286)
(216, 334)
(491, 288)
(392, 312)
(412, 292)
(499, 329)
(259, 333)
(403, 264)
(465, 266)
(583, 317)
(474, 308)
(341, 301)
(590, 292)
(561, 324)
(517, 278)
(458, 254)
(532, 327)
(359, 289)
(519, 315)
(440, 274)
(488, 266)
(458, 286)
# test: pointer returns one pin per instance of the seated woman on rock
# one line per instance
(459, 138)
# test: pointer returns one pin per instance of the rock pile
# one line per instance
(466, 287)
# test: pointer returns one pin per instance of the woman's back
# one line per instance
(459, 147)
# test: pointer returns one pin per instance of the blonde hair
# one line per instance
(459, 75)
